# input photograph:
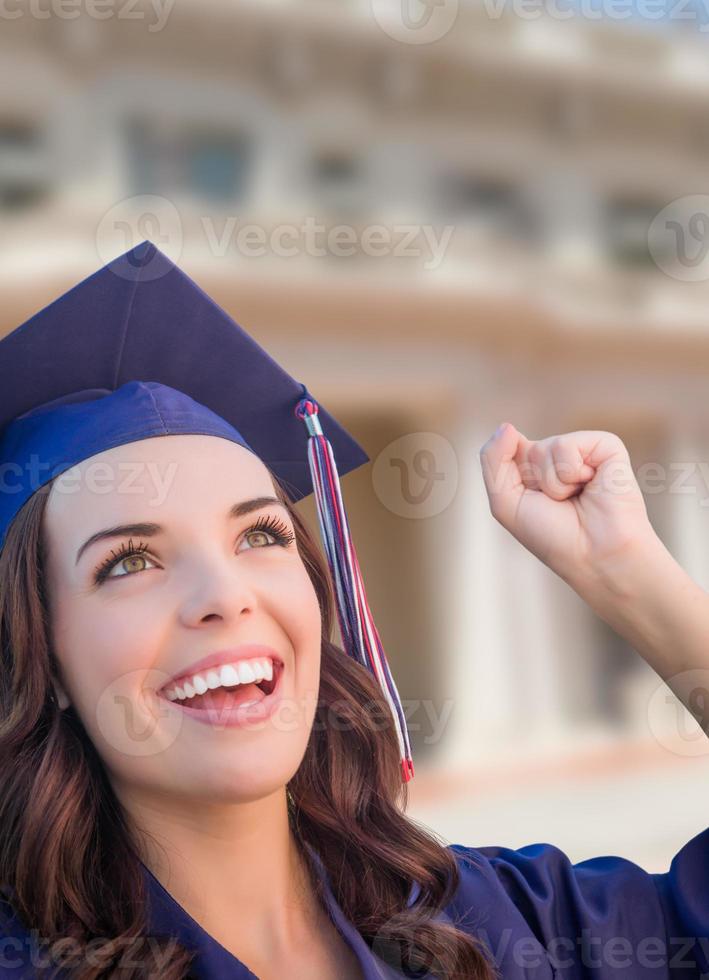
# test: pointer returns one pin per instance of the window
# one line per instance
(493, 205)
(206, 162)
(18, 136)
(339, 181)
(24, 171)
(627, 225)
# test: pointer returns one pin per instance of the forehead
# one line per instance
(153, 479)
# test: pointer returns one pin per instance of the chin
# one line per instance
(249, 775)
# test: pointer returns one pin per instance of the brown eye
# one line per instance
(127, 553)
(131, 565)
(270, 528)
(262, 535)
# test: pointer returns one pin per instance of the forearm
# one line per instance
(649, 599)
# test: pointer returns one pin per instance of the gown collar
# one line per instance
(168, 917)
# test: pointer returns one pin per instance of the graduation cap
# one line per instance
(138, 350)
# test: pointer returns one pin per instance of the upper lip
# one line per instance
(245, 651)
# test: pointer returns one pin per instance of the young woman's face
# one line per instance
(206, 582)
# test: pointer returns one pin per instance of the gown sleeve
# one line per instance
(544, 918)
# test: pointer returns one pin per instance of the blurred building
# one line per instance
(438, 238)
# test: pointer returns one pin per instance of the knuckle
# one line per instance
(564, 443)
(495, 508)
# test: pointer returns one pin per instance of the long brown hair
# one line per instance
(69, 862)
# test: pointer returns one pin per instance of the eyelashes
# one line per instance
(124, 551)
(273, 526)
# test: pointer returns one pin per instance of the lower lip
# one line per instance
(240, 716)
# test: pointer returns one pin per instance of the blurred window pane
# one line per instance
(191, 160)
(215, 165)
(18, 135)
(23, 169)
(491, 205)
(627, 224)
(14, 195)
(339, 180)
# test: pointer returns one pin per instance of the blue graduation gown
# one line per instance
(543, 918)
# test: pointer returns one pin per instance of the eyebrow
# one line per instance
(149, 529)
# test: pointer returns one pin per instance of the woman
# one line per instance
(163, 814)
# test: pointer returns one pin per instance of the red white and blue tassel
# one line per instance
(359, 634)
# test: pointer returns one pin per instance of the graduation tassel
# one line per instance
(359, 634)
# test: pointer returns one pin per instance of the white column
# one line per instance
(500, 662)
(687, 499)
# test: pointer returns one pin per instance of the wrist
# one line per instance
(646, 596)
(624, 590)
(621, 577)
(633, 574)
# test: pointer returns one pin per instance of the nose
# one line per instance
(216, 587)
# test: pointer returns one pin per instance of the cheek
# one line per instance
(106, 656)
(299, 614)
(98, 647)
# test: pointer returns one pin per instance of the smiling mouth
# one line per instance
(231, 696)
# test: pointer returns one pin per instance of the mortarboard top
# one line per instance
(141, 318)
(138, 350)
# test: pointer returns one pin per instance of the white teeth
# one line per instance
(199, 684)
(246, 674)
(242, 672)
(228, 676)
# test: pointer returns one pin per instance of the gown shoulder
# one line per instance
(21, 955)
(543, 916)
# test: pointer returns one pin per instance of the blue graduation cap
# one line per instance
(138, 350)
